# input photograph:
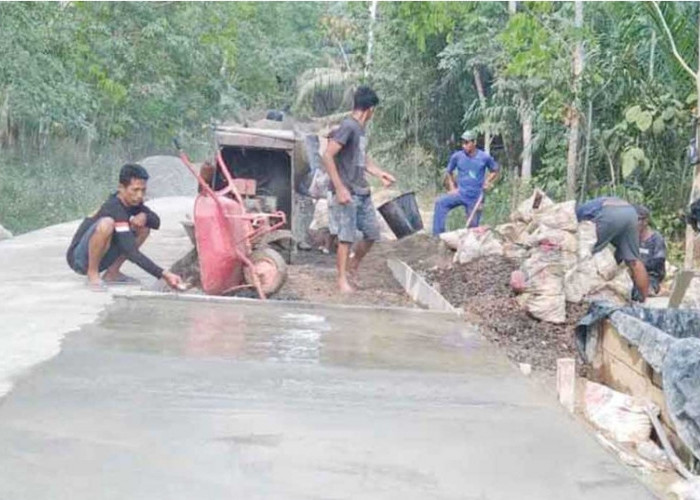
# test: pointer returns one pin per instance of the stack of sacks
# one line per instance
(541, 283)
(556, 255)
(471, 244)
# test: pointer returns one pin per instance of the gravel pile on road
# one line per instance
(482, 288)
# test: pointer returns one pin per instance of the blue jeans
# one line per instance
(447, 202)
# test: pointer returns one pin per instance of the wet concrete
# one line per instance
(166, 399)
(42, 299)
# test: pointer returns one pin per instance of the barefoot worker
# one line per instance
(115, 232)
(350, 207)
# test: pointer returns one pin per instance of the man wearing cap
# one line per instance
(616, 223)
(652, 249)
(471, 164)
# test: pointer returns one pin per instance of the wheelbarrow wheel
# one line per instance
(270, 267)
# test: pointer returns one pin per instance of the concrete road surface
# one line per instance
(170, 399)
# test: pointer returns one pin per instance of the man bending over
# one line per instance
(616, 222)
(114, 234)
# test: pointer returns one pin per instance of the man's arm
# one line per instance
(126, 242)
(451, 166)
(152, 219)
(493, 175)
(341, 192)
(640, 278)
(372, 168)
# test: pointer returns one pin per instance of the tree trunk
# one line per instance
(651, 55)
(526, 172)
(689, 261)
(512, 7)
(370, 35)
(574, 116)
(482, 99)
(589, 127)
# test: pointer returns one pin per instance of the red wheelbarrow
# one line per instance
(225, 235)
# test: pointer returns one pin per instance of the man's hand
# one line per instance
(172, 279)
(387, 179)
(343, 195)
(138, 220)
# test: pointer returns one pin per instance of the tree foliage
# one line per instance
(123, 77)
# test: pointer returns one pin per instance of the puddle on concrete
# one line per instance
(382, 338)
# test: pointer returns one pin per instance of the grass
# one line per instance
(63, 182)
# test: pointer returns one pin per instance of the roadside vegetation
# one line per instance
(580, 102)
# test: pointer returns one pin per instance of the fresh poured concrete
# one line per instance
(171, 399)
(42, 299)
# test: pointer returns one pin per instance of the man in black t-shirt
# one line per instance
(113, 234)
(652, 249)
(350, 208)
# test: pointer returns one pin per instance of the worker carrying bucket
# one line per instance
(350, 206)
(471, 164)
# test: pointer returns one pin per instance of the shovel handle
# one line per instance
(476, 207)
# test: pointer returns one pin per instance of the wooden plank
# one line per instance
(623, 368)
(566, 382)
(418, 289)
(680, 286)
(615, 344)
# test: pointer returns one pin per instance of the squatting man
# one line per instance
(113, 234)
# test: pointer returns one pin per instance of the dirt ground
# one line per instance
(312, 277)
(482, 288)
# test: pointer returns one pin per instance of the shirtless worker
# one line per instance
(350, 206)
(113, 234)
(616, 222)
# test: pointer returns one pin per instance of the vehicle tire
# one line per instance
(281, 240)
(270, 268)
(284, 248)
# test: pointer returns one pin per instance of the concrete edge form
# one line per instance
(186, 297)
(419, 289)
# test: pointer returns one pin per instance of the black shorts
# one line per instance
(79, 262)
(617, 224)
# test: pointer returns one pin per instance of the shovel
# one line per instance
(476, 207)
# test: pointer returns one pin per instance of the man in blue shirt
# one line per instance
(471, 164)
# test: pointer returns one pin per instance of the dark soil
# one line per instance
(312, 277)
(482, 288)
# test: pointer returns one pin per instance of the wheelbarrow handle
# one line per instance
(186, 160)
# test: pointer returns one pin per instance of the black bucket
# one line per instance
(402, 215)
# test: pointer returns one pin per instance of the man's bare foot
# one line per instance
(345, 287)
(97, 285)
(93, 279)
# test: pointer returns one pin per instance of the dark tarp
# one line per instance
(667, 339)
